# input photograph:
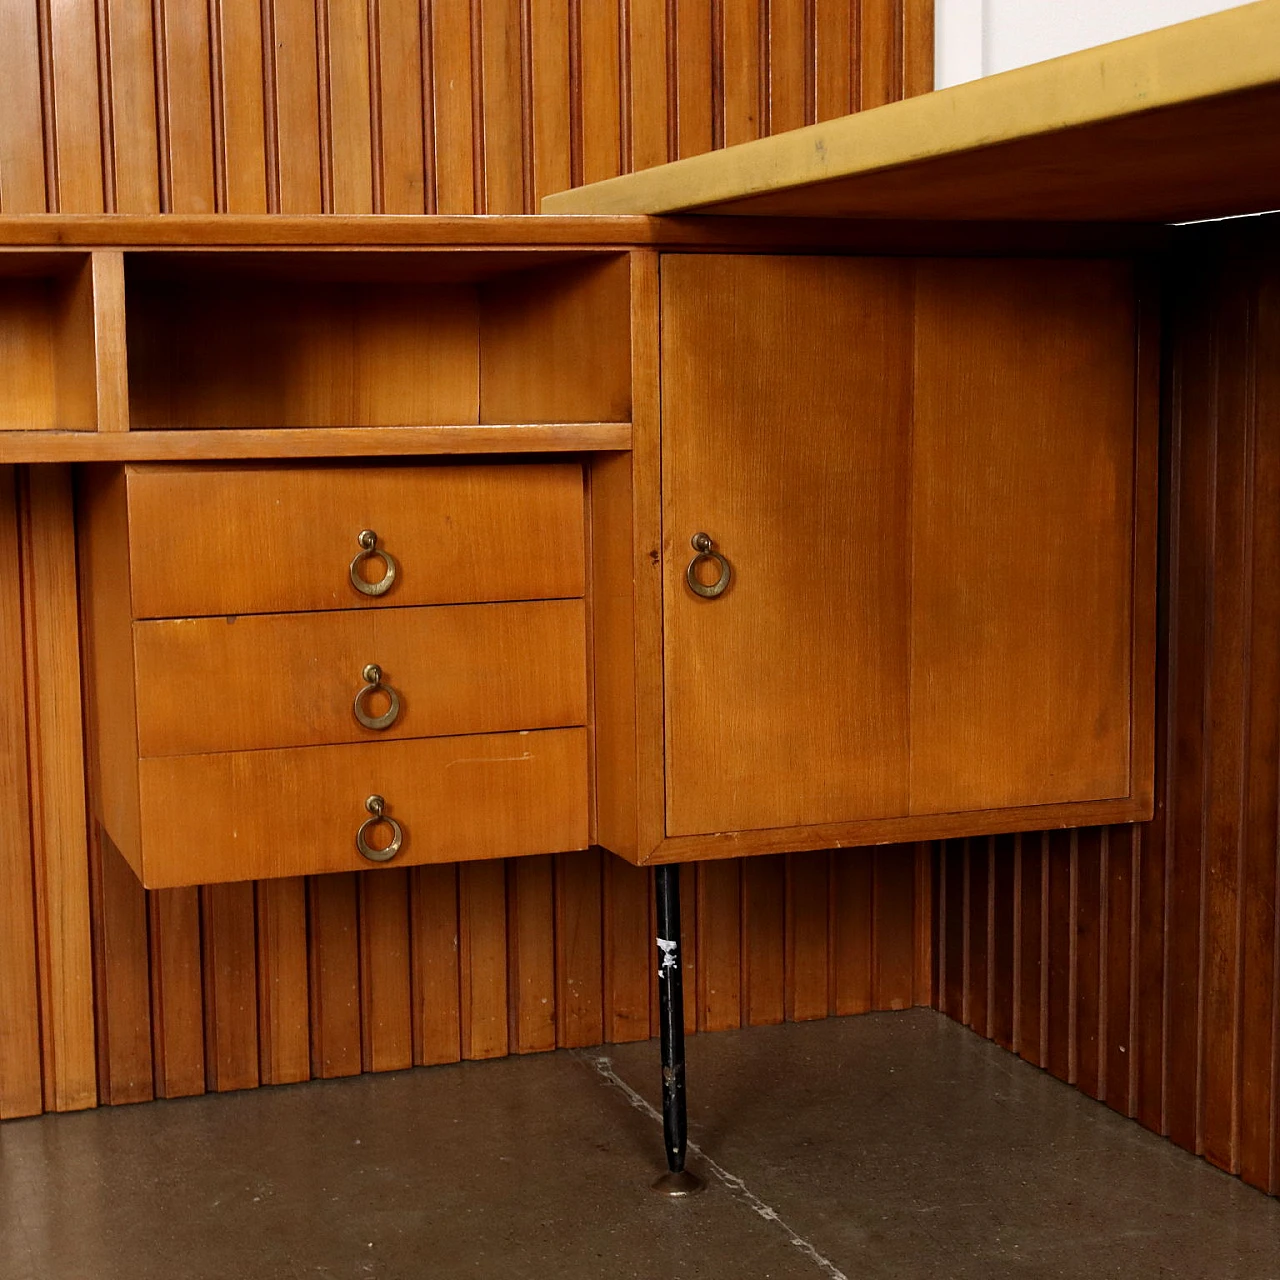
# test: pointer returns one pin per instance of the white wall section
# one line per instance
(980, 37)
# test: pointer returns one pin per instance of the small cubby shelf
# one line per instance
(47, 342)
(260, 341)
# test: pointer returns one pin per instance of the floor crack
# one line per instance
(735, 1185)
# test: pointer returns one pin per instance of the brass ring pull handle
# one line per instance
(377, 814)
(373, 677)
(705, 548)
(368, 548)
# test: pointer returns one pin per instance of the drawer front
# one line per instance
(238, 540)
(249, 815)
(291, 680)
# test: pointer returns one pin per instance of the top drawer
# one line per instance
(263, 539)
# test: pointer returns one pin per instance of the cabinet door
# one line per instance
(786, 437)
(1023, 534)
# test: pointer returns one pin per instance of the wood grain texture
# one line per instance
(229, 967)
(306, 442)
(468, 524)
(650, 75)
(599, 105)
(893, 939)
(739, 337)
(106, 618)
(239, 106)
(554, 235)
(764, 975)
(531, 939)
(333, 937)
(75, 349)
(550, 99)
(283, 1013)
(1008, 711)
(47, 350)
(242, 354)
(447, 106)
(192, 107)
(808, 989)
(397, 87)
(293, 108)
(837, 55)
(481, 796)
(719, 888)
(386, 1002)
(627, 601)
(626, 944)
(689, 46)
(790, 71)
(21, 1093)
(740, 102)
(110, 358)
(121, 974)
(1144, 958)
(459, 669)
(433, 904)
(118, 903)
(578, 934)
(56, 773)
(185, 107)
(75, 177)
(22, 152)
(505, 152)
(452, 75)
(555, 345)
(482, 944)
(346, 104)
(177, 1000)
(27, 355)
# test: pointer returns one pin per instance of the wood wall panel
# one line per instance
(22, 146)
(20, 1087)
(396, 106)
(55, 774)
(284, 1051)
(1144, 959)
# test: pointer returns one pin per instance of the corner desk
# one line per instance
(405, 540)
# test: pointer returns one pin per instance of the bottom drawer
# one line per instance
(249, 815)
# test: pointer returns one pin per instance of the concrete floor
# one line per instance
(890, 1145)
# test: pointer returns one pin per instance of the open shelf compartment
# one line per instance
(313, 339)
(47, 352)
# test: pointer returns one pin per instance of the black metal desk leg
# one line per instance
(678, 1181)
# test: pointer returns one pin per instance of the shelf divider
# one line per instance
(119, 445)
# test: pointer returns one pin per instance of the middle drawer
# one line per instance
(292, 680)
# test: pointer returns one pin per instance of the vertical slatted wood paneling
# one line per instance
(20, 1088)
(1145, 958)
(400, 106)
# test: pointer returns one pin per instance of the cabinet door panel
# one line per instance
(786, 438)
(1022, 534)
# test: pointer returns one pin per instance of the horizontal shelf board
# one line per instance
(310, 442)
(278, 231)
(198, 240)
(1172, 125)
(902, 830)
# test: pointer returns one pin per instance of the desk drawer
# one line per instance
(290, 680)
(281, 539)
(255, 814)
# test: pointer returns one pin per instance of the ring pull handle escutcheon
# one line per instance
(372, 675)
(369, 548)
(376, 806)
(702, 544)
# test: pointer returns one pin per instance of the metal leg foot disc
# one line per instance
(683, 1183)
